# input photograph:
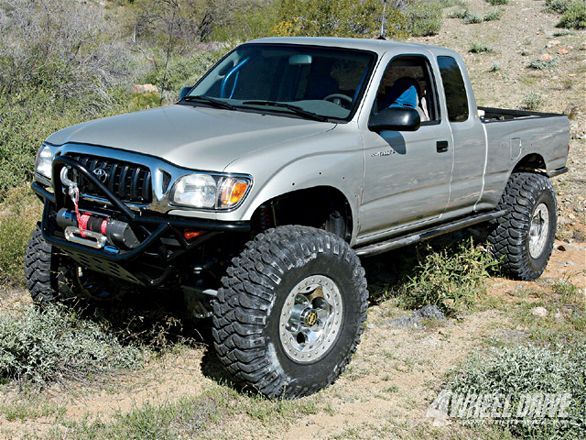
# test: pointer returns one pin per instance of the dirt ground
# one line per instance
(397, 371)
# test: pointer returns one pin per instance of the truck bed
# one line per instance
(492, 114)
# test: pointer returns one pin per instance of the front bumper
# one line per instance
(152, 227)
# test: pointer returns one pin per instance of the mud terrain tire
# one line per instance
(523, 238)
(250, 314)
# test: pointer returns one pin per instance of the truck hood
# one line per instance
(192, 137)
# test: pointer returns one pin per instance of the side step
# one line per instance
(426, 234)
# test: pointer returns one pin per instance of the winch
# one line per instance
(96, 231)
(93, 230)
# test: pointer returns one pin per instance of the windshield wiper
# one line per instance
(218, 103)
(294, 108)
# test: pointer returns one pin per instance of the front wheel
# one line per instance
(51, 277)
(523, 238)
(290, 312)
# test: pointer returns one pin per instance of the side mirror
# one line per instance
(397, 119)
(184, 92)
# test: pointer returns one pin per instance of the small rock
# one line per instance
(553, 43)
(558, 316)
(430, 312)
(540, 312)
(546, 57)
(403, 322)
(563, 51)
(562, 248)
(144, 88)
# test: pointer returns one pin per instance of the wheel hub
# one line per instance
(311, 319)
(538, 230)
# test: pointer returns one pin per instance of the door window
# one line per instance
(456, 97)
(408, 82)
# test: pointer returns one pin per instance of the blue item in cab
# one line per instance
(407, 99)
(403, 94)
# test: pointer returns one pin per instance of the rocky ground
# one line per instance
(401, 362)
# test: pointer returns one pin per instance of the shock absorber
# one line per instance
(265, 218)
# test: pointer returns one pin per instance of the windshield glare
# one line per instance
(324, 81)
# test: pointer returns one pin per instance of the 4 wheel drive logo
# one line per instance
(382, 153)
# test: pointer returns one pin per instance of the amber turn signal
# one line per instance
(232, 191)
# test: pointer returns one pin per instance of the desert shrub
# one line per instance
(494, 68)
(542, 64)
(19, 214)
(493, 15)
(559, 6)
(424, 18)
(498, 2)
(69, 48)
(341, 18)
(28, 116)
(574, 17)
(471, 18)
(54, 345)
(459, 13)
(184, 70)
(522, 370)
(480, 48)
(532, 102)
(450, 279)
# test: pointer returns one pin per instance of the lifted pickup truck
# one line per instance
(255, 194)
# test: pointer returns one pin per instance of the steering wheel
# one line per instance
(338, 98)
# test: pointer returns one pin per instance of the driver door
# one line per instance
(407, 174)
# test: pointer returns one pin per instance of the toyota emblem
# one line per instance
(101, 174)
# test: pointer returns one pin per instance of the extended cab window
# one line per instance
(408, 82)
(456, 97)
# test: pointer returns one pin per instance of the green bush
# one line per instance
(340, 18)
(559, 6)
(498, 2)
(470, 18)
(29, 116)
(184, 70)
(574, 17)
(54, 345)
(493, 15)
(480, 48)
(542, 65)
(424, 18)
(516, 371)
(450, 279)
(494, 68)
(533, 101)
(19, 214)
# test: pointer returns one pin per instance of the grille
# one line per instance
(130, 182)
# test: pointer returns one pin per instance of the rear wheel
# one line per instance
(523, 238)
(52, 277)
(290, 312)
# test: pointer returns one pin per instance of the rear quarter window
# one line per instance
(456, 97)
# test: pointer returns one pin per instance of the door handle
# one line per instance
(442, 146)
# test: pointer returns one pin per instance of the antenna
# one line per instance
(383, 23)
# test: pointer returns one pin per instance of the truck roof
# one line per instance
(373, 45)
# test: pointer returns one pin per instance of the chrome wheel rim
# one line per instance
(538, 230)
(311, 319)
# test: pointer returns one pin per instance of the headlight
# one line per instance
(208, 191)
(44, 162)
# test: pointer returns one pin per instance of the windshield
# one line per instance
(304, 81)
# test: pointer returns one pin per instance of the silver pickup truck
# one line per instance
(254, 196)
